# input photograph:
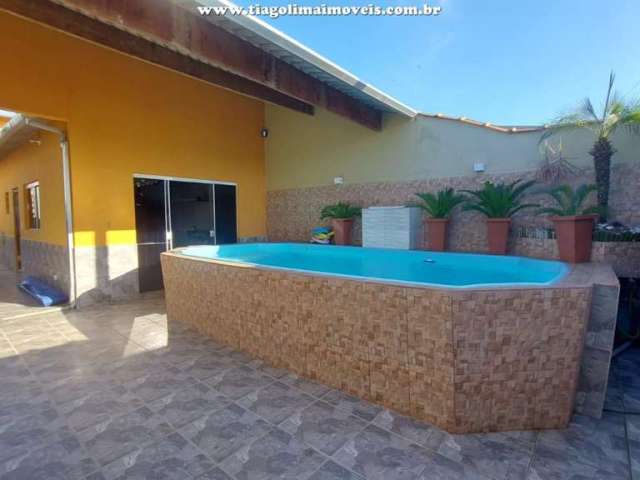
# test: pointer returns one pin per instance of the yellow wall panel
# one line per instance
(126, 116)
(35, 162)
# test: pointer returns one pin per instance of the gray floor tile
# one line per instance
(633, 427)
(170, 458)
(332, 471)
(323, 426)
(502, 456)
(411, 429)
(157, 384)
(236, 355)
(625, 372)
(378, 454)
(238, 382)
(590, 441)
(98, 407)
(118, 436)
(209, 364)
(130, 369)
(552, 464)
(64, 460)
(631, 398)
(18, 434)
(186, 405)
(223, 432)
(307, 386)
(276, 402)
(18, 399)
(275, 456)
(360, 408)
(268, 369)
(79, 386)
(215, 474)
(90, 380)
(443, 468)
(13, 369)
(179, 354)
(634, 454)
(614, 398)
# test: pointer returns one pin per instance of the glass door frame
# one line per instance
(167, 201)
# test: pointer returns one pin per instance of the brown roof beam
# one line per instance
(80, 25)
(180, 28)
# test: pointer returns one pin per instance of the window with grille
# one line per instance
(32, 191)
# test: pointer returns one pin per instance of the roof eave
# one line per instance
(307, 55)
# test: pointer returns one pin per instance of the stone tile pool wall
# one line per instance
(465, 360)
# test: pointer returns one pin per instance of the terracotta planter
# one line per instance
(436, 230)
(574, 236)
(342, 228)
(498, 235)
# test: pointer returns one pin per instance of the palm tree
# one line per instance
(616, 113)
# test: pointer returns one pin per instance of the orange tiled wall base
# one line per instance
(471, 361)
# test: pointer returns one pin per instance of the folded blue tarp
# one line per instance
(42, 292)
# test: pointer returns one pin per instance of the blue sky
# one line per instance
(501, 61)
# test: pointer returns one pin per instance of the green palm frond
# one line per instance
(570, 202)
(478, 208)
(616, 113)
(554, 211)
(440, 204)
(516, 209)
(588, 110)
(501, 200)
(340, 210)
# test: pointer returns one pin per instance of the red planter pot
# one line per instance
(574, 236)
(498, 235)
(436, 233)
(342, 229)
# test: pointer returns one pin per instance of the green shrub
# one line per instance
(501, 200)
(440, 204)
(340, 210)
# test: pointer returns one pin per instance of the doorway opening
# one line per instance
(174, 212)
(15, 201)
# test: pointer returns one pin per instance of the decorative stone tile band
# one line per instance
(465, 360)
(291, 214)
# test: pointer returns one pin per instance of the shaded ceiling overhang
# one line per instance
(241, 57)
(14, 133)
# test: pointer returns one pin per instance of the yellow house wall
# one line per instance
(126, 116)
(26, 164)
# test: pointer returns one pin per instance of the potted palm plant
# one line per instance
(438, 208)
(616, 113)
(341, 215)
(499, 202)
(572, 221)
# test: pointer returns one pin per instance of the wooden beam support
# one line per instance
(177, 37)
(338, 102)
(80, 25)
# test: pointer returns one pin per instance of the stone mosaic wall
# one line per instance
(598, 341)
(46, 261)
(42, 260)
(467, 361)
(106, 273)
(291, 214)
(624, 257)
(7, 251)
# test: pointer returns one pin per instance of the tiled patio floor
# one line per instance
(115, 392)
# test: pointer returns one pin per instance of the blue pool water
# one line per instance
(456, 270)
(405, 266)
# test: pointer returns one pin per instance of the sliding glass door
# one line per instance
(192, 214)
(172, 213)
